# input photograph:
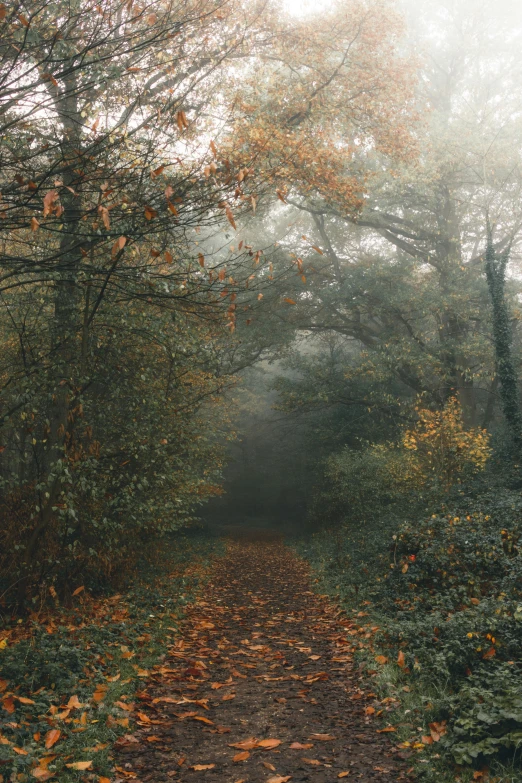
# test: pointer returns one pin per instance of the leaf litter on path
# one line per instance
(253, 628)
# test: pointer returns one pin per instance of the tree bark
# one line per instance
(502, 338)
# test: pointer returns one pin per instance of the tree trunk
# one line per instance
(502, 339)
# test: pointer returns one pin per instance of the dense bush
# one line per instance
(447, 592)
(436, 453)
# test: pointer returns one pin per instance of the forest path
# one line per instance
(260, 687)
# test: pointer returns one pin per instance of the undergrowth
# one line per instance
(68, 678)
(444, 594)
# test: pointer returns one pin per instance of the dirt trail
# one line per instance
(261, 658)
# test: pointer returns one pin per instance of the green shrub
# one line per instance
(446, 590)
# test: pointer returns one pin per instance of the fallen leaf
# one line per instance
(228, 697)
(42, 773)
(25, 700)
(382, 659)
(387, 729)
(301, 746)
(243, 756)
(269, 766)
(248, 744)
(52, 737)
(200, 767)
(343, 774)
(268, 744)
(401, 660)
(279, 779)
(313, 762)
(321, 737)
(80, 765)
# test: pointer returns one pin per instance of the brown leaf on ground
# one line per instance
(247, 744)
(52, 737)
(243, 756)
(268, 744)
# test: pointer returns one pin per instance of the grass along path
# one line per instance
(261, 686)
(69, 677)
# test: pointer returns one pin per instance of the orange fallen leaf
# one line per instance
(52, 737)
(382, 659)
(243, 756)
(437, 730)
(268, 744)
(154, 738)
(228, 697)
(369, 710)
(401, 660)
(99, 693)
(387, 729)
(25, 700)
(343, 774)
(203, 719)
(321, 737)
(200, 767)
(74, 703)
(279, 779)
(80, 765)
(313, 762)
(247, 744)
(269, 766)
(42, 773)
(301, 746)
(20, 751)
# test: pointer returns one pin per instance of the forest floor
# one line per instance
(261, 685)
